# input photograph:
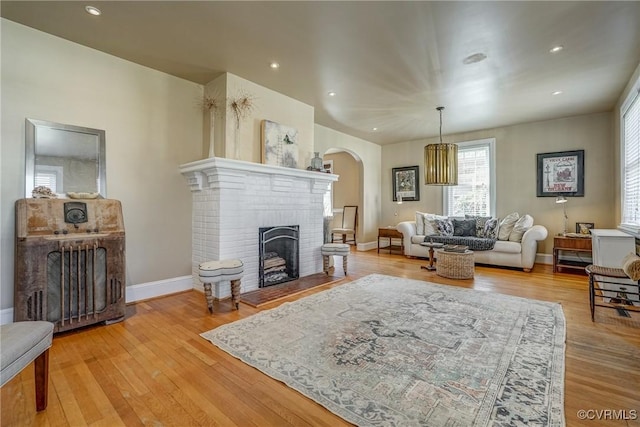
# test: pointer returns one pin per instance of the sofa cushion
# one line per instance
(521, 226)
(508, 247)
(506, 225)
(464, 227)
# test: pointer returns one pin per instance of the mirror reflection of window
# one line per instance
(50, 177)
(64, 158)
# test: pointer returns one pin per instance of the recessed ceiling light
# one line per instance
(374, 129)
(476, 57)
(332, 93)
(557, 92)
(556, 49)
(91, 10)
(274, 65)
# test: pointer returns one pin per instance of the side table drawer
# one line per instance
(575, 243)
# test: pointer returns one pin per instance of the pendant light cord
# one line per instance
(440, 110)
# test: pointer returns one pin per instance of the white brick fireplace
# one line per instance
(232, 199)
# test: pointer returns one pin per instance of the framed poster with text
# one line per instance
(560, 174)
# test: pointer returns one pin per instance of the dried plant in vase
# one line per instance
(241, 106)
(212, 104)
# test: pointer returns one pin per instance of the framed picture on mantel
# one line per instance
(405, 184)
(560, 174)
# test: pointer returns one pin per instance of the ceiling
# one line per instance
(390, 63)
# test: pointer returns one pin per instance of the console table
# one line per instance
(391, 233)
(578, 245)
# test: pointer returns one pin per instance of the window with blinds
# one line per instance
(475, 192)
(631, 161)
(50, 177)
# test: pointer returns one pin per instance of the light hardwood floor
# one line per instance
(154, 368)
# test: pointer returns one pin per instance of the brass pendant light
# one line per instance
(441, 161)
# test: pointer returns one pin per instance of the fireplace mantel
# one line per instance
(233, 199)
(207, 172)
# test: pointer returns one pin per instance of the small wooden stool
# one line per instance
(334, 249)
(220, 271)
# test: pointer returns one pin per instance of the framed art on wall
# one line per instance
(560, 174)
(279, 145)
(405, 184)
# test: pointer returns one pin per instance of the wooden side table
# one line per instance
(431, 246)
(578, 245)
(391, 233)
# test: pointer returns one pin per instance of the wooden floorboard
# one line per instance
(153, 368)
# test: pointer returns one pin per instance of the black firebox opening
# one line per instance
(279, 254)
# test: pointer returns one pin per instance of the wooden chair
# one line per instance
(349, 225)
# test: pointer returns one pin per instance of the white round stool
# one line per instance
(334, 249)
(220, 271)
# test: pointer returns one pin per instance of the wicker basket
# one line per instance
(454, 265)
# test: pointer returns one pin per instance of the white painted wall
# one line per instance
(153, 124)
(244, 142)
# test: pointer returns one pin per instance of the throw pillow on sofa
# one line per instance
(520, 227)
(420, 223)
(430, 226)
(491, 228)
(443, 227)
(464, 227)
(506, 225)
(480, 223)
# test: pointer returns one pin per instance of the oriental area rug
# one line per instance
(388, 351)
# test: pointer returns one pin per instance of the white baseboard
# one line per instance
(6, 316)
(367, 246)
(158, 288)
(544, 259)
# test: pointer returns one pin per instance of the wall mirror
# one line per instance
(64, 158)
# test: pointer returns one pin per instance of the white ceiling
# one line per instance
(391, 63)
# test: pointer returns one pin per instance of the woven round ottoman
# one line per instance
(455, 265)
(334, 249)
(220, 271)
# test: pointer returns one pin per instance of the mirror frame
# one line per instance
(31, 126)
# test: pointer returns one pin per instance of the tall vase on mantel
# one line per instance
(212, 134)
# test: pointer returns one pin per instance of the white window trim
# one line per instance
(633, 93)
(57, 170)
(492, 173)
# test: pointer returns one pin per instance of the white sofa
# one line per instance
(504, 253)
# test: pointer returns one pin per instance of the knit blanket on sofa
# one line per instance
(474, 243)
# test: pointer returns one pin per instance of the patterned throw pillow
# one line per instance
(444, 227)
(464, 227)
(491, 228)
(430, 226)
(480, 222)
(506, 225)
